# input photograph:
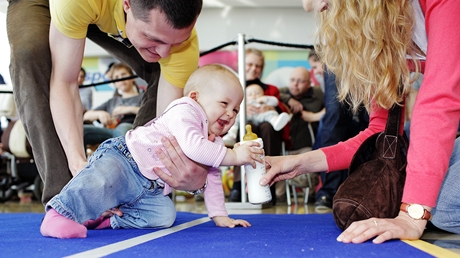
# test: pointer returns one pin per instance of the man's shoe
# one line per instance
(323, 205)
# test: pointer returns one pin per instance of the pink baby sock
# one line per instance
(99, 223)
(58, 226)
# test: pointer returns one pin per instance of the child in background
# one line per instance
(255, 96)
(120, 174)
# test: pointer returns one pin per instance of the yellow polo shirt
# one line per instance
(72, 17)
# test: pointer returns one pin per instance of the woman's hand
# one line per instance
(104, 117)
(278, 168)
(120, 110)
(251, 109)
(401, 227)
(185, 174)
(287, 167)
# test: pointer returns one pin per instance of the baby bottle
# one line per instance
(257, 194)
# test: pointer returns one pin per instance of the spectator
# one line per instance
(339, 124)
(307, 107)
(116, 115)
(86, 94)
(255, 96)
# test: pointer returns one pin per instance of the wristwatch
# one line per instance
(199, 191)
(416, 211)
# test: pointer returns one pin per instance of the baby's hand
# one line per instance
(261, 100)
(247, 153)
(227, 222)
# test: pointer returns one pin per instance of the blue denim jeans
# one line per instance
(446, 214)
(112, 179)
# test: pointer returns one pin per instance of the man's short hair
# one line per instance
(180, 13)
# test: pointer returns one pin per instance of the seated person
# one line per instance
(255, 96)
(213, 97)
(307, 106)
(118, 113)
(86, 93)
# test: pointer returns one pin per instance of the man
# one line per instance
(307, 107)
(47, 39)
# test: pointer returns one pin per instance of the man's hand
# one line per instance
(295, 105)
(185, 174)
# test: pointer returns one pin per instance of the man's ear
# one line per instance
(126, 5)
(193, 95)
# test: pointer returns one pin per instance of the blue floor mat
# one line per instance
(271, 235)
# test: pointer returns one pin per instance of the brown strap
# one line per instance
(390, 142)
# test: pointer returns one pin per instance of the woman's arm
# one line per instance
(286, 167)
(125, 110)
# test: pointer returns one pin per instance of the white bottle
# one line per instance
(257, 194)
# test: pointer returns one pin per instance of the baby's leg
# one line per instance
(58, 226)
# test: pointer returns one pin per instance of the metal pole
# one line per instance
(242, 76)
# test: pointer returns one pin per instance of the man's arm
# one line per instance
(167, 92)
(65, 104)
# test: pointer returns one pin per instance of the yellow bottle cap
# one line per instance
(249, 136)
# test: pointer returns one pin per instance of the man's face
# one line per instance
(155, 38)
(81, 77)
(299, 82)
(316, 66)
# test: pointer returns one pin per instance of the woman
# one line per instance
(118, 113)
(383, 31)
(387, 32)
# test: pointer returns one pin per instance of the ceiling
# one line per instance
(224, 3)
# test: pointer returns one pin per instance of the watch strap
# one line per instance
(199, 191)
(426, 214)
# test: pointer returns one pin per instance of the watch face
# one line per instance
(415, 211)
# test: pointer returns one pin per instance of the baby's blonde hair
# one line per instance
(365, 43)
(201, 78)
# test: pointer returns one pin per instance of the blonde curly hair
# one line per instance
(365, 43)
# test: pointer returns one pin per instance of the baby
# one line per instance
(256, 97)
(120, 173)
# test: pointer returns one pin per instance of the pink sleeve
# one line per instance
(190, 130)
(214, 198)
(435, 118)
(339, 156)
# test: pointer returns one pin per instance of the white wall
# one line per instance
(288, 25)
(217, 26)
